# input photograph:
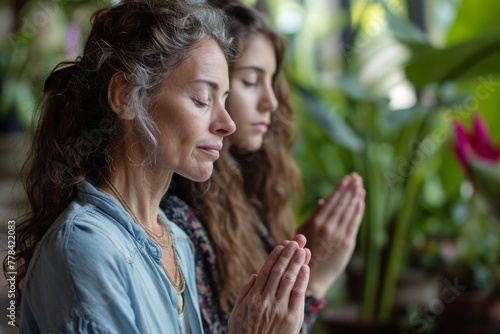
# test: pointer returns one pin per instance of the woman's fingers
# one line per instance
(346, 202)
(332, 202)
(352, 229)
(351, 219)
(279, 268)
(296, 302)
(265, 271)
(299, 238)
(244, 291)
(289, 277)
(308, 256)
(337, 201)
(349, 215)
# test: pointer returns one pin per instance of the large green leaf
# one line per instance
(470, 59)
(407, 32)
(474, 18)
(335, 127)
(395, 119)
(486, 178)
(350, 85)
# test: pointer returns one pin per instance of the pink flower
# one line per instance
(480, 159)
(475, 144)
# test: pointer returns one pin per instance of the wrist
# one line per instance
(315, 291)
(320, 284)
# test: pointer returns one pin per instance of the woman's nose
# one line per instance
(268, 102)
(223, 124)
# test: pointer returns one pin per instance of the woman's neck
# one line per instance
(140, 188)
(246, 159)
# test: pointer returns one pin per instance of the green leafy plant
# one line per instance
(412, 179)
(34, 42)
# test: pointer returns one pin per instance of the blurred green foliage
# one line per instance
(33, 40)
(381, 105)
(420, 210)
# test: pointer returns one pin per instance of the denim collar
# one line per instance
(110, 206)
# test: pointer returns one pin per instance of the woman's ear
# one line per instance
(118, 96)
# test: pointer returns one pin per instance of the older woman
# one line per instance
(95, 254)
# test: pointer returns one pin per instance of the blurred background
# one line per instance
(404, 92)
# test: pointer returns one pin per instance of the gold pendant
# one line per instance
(180, 302)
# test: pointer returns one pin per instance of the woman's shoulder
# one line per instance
(76, 257)
(87, 225)
(80, 236)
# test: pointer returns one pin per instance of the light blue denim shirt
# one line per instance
(96, 271)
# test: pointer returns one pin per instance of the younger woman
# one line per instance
(238, 216)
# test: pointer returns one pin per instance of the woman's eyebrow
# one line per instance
(214, 85)
(250, 67)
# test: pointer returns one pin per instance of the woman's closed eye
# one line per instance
(249, 83)
(199, 103)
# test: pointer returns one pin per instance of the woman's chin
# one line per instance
(250, 144)
(200, 176)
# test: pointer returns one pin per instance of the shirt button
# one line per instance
(154, 251)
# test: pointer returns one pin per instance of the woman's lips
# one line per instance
(261, 127)
(211, 150)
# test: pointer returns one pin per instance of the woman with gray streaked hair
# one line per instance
(144, 101)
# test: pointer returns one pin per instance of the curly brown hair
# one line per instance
(76, 131)
(248, 190)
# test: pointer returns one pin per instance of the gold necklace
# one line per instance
(180, 287)
(148, 231)
(160, 221)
